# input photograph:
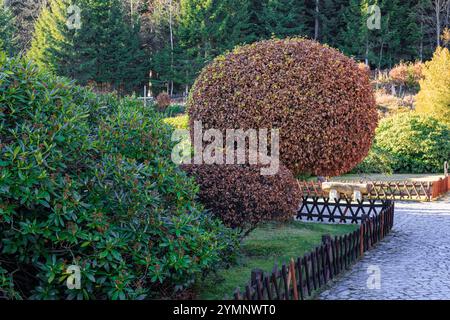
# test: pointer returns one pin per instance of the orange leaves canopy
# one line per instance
(320, 100)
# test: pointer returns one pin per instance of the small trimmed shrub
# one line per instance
(242, 198)
(179, 122)
(162, 101)
(414, 143)
(87, 180)
(321, 101)
(434, 95)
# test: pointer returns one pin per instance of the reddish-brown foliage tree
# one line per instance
(320, 100)
(163, 101)
(407, 73)
(241, 197)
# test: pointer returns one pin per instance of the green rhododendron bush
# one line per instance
(321, 101)
(415, 143)
(87, 180)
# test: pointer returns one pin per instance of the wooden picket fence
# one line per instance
(394, 190)
(440, 187)
(301, 277)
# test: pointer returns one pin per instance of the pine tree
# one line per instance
(331, 24)
(194, 44)
(8, 40)
(352, 39)
(48, 31)
(204, 30)
(105, 50)
(230, 21)
(255, 29)
(25, 13)
(284, 18)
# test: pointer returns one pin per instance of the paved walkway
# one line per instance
(414, 260)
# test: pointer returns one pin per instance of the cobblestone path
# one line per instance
(414, 260)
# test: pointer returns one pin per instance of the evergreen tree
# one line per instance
(352, 39)
(284, 18)
(255, 29)
(397, 39)
(331, 24)
(25, 14)
(48, 31)
(105, 50)
(8, 41)
(230, 19)
(204, 30)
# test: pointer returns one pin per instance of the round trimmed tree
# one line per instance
(320, 100)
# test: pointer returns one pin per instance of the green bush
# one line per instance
(87, 180)
(410, 143)
(377, 161)
(174, 110)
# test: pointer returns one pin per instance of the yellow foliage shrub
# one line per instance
(434, 95)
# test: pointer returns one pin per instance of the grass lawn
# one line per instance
(270, 243)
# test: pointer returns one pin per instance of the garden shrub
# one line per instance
(178, 122)
(242, 198)
(162, 101)
(407, 74)
(377, 161)
(87, 180)
(321, 101)
(434, 95)
(174, 110)
(415, 143)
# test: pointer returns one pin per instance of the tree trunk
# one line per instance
(421, 39)
(171, 45)
(316, 26)
(367, 50)
(437, 10)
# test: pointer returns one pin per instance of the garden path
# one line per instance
(413, 261)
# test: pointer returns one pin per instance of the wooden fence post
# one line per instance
(294, 279)
(256, 274)
(361, 239)
(300, 277)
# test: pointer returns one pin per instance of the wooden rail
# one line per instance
(394, 190)
(301, 277)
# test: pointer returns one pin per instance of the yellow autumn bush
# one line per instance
(434, 95)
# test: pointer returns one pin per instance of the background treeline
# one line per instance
(123, 44)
